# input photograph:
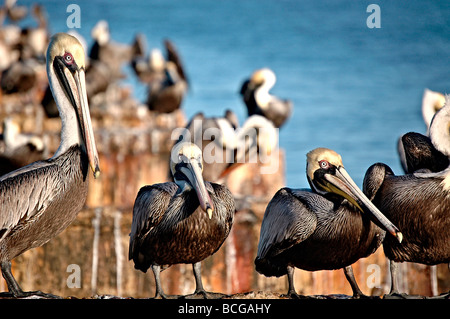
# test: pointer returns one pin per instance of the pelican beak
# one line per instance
(86, 125)
(74, 83)
(194, 174)
(341, 183)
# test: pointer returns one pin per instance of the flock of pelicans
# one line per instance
(330, 226)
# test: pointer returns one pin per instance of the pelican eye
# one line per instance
(68, 58)
(324, 164)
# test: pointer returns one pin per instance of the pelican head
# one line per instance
(65, 69)
(326, 174)
(156, 60)
(100, 32)
(431, 103)
(187, 167)
(262, 81)
(440, 128)
(264, 75)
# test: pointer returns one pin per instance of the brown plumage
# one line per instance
(419, 204)
(417, 153)
(329, 227)
(166, 95)
(181, 222)
(40, 200)
(30, 222)
(165, 77)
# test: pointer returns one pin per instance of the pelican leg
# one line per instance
(357, 293)
(433, 280)
(394, 293)
(291, 289)
(14, 288)
(394, 274)
(200, 292)
(159, 294)
(197, 268)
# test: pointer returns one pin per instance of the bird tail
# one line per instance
(268, 268)
(140, 261)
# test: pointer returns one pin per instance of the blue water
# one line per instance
(354, 89)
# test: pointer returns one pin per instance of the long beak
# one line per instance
(85, 122)
(341, 183)
(196, 179)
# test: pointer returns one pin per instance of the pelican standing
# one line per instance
(181, 222)
(419, 204)
(165, 77)
(40, 200)
(328, 227)
(256, 96)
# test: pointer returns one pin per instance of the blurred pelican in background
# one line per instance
(165, 77)
(256, 96)
(226, 145)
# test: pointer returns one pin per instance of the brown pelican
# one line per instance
(112, 53)
(22, 75)
(19, 77)
(256, 96)
(106, 59)
(181, 222)
(167, 95)
(166, 79)
(40, 200)
(14, 12)
(225, 145)
(34, 40)
(418, 204)
(328, 227)
(152, 68)
(18, 149)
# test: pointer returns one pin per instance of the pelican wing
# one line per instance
(150, 205)
(26, 192)
(173, 55)
(288, 220)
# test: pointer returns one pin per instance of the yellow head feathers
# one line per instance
(62, 43)
(315, 156)
(186, 149)
(260, 76)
